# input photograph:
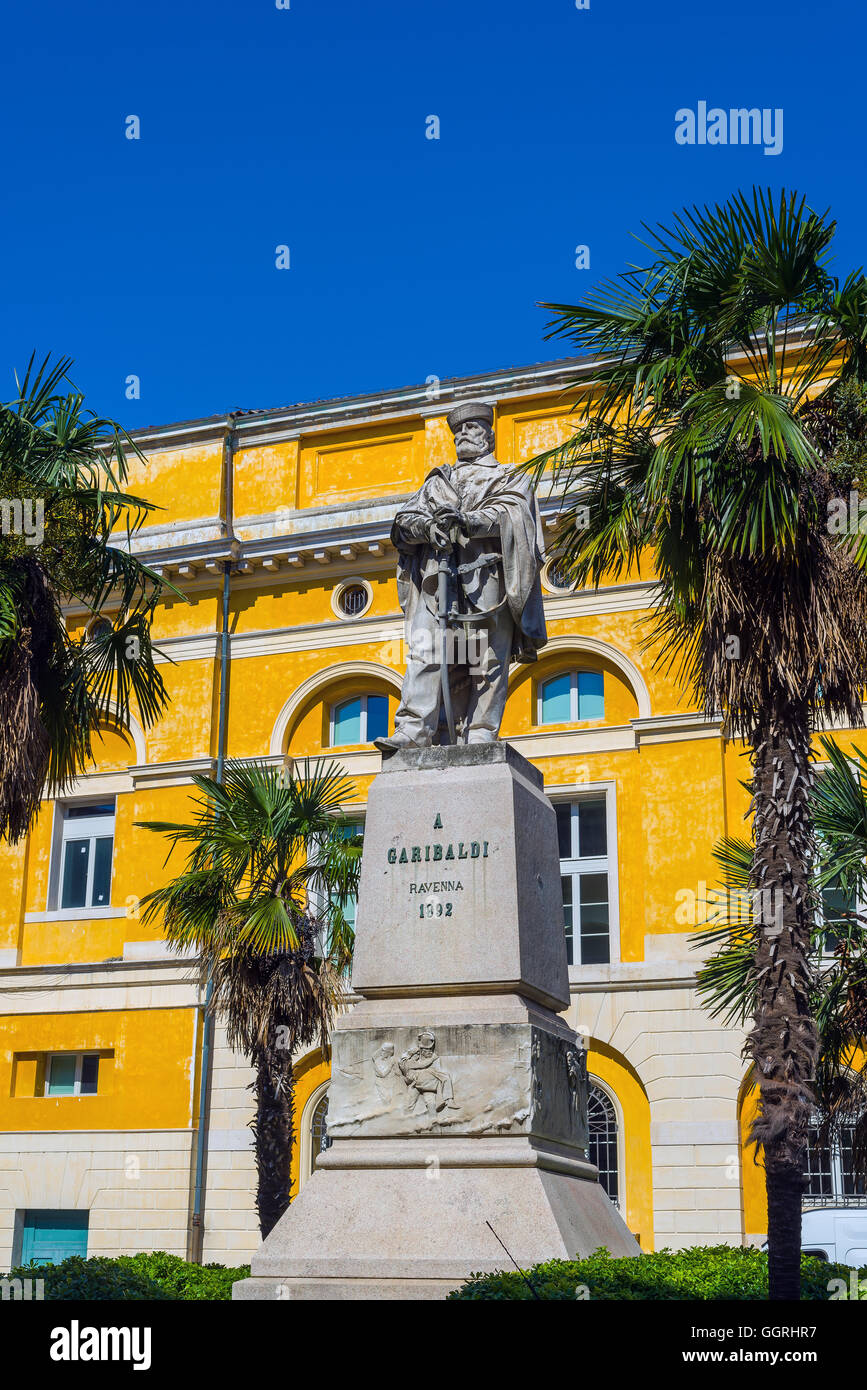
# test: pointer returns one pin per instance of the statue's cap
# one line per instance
(470, 410)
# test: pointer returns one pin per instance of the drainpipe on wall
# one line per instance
(197, 1234)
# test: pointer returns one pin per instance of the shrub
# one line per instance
(701, 1272)
(154, 1275)
(95, 1279)
(180, 1279)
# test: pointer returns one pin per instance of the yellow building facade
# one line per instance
(107, 1142)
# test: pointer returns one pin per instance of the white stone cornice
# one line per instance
(674, 728)
(631, 975)
(345, 632)
(171, 774)
(198, 646)
(378, 628)
(613, 598)
(558, 743)
(93, 986)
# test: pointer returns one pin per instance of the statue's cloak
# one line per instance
(513, 561)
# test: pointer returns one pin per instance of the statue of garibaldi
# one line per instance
(470, 551)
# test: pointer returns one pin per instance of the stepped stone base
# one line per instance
(417, 1232)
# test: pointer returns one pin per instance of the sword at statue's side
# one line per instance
(443, 621)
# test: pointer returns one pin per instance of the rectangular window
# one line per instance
(830, 1172)
(582, 834)
(591, 701)
(349, 832)
(360, 720)
(835, 906)
(51, 1236)
(571, 698)
(72, 1074)
(86, 847)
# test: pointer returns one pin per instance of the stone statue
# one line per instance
(470, 552)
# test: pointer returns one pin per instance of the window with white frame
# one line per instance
(86, 848)
(572, 697)
(350, 831)
(830, 1174)
(838, 910)
(71, 1074)
(602, 1140)
(359, 720)
(317, 900)
(582, 833)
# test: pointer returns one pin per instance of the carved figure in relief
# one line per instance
(383, 1072)
(430, 1084)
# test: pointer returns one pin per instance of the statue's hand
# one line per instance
(443, 523)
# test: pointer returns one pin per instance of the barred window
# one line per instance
(352, 600)
(602, 1140)
(318, 1130)
(831, 1179)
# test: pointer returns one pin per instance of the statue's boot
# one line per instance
(396, 741)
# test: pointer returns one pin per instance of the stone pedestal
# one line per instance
(458, 1096)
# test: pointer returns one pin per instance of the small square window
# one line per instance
(61, 1076)
(72, 1074)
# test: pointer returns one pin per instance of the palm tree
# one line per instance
(269, 870)
(65, 518)
(731, 379)
(728, 978)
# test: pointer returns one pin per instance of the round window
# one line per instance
(352, 600)
(100, 627)
(557, 577)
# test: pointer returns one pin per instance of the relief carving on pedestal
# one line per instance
(430, 1085)
(560, 1089)
(416, 1081)
(459, 1079)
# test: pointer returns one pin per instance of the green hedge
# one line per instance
(702, 1272)
(147, 1276)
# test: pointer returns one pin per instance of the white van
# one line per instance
(837, 1234)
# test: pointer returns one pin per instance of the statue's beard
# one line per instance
(468, 450)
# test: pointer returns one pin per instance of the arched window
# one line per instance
(572, 697)
(359, 720)
(319, 1140)
(602, 1140)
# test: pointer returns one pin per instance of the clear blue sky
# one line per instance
(306, 127)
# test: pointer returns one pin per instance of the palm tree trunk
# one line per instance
(785, 1184)
(273, 1127)
(783, 1042)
